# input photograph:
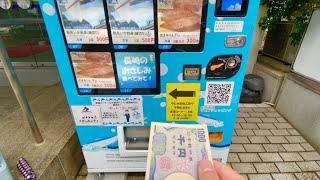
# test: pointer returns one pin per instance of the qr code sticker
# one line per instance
(219, 93)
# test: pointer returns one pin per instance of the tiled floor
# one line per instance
(52, 116)
(265, 146)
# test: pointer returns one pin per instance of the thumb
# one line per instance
(206, 171)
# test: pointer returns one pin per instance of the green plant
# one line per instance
(298, 11)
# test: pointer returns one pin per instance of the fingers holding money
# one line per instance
(206, 171)
(215, 170)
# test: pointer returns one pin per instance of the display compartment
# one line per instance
(181, 25)
(119, 73)
(84, 23)
(152, 25)
(132, 24)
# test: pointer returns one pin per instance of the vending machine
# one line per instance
(127, 63)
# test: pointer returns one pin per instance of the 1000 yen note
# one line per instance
(165, 4)
(175, 151)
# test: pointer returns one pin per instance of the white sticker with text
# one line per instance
(228, 26)
(125, 111)
(87, 115)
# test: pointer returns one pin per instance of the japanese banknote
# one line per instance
(175, 151)
(165, 4)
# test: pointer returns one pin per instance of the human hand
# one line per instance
(215, 170)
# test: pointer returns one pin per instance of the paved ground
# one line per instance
(265, 146)
(53, 118)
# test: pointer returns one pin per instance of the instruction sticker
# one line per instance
(126, 111)
(87, 115)
(182, 101)
(228, 26)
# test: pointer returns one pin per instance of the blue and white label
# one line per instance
(136, 70)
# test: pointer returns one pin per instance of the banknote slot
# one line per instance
(215, 137)
(133, 141)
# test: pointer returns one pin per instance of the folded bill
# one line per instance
(175, 151)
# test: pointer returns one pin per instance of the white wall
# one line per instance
(257, 40)
(307, 61)
(45, 76)
(301, 107)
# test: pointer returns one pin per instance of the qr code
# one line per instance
(219, 93)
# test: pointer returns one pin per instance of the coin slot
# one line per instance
(235, 41)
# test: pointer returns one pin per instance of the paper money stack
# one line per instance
(175, 151)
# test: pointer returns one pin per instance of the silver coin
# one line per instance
(5, 4)
(24, 4)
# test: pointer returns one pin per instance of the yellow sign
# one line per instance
(182, 101)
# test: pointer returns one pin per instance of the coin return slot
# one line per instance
(215, 137)
(133, 141)
(137, 138)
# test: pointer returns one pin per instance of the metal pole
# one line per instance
(18, 91)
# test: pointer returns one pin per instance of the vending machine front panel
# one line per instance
(127, 63)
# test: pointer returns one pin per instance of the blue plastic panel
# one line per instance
(218, 97)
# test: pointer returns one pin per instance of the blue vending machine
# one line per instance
(127, 63)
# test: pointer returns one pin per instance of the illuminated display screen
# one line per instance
(132, 22)
(231, 5)
(231, 8)
(84, 22)
(136, 70)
